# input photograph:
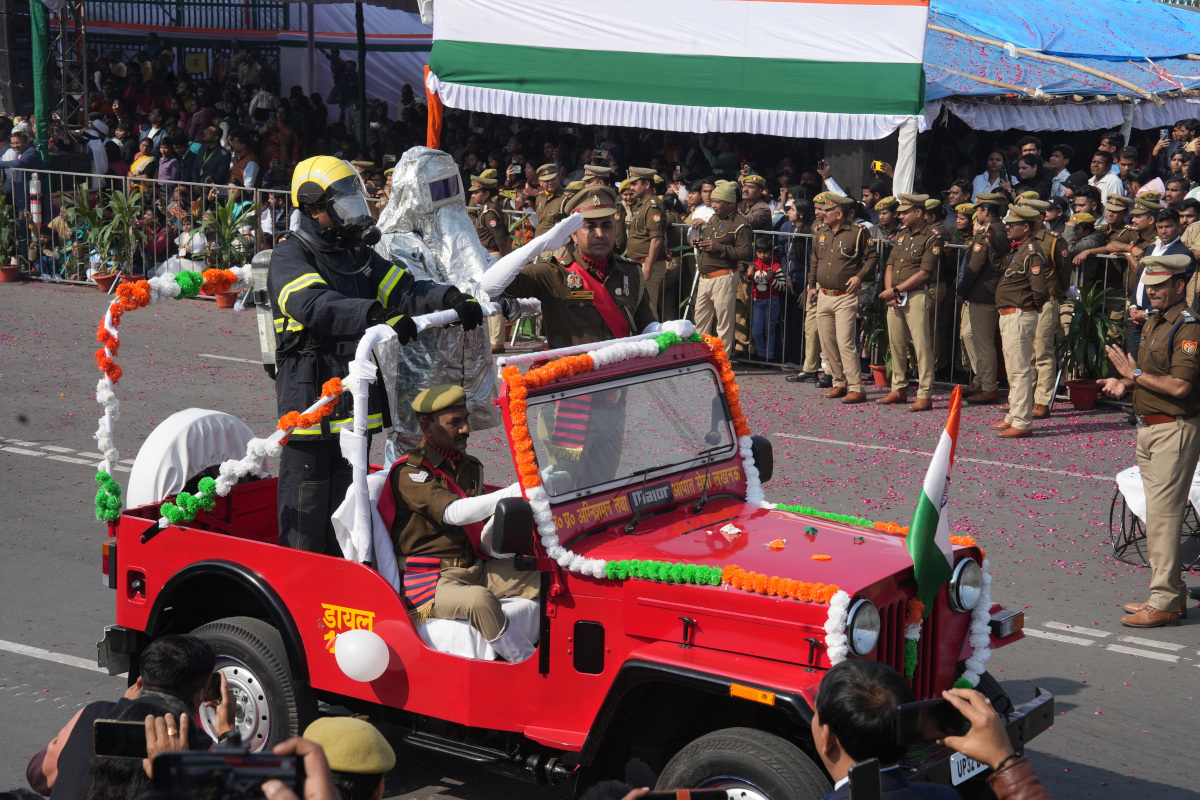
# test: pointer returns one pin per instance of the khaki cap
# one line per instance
(575, 186)
(1038, 205)
(352, 745)
(439, 398)
(1082, 216)
(725, 191)
(1029, 194)
(1151, 196)
(595, 171)
(819, 199)
(1116, 202)
(989, 197)
(1020, 214)
(480, 182)
(1141, 206)
(757, 180)
(389, 170)
(933, 204)
(490, 173)
(965, 208)
(591, 202)
(830, 199)
(1159, 269)
(362, 164)
(641, 173)
(910, 201)
(624, 185)
(886, 202)
(547, 171)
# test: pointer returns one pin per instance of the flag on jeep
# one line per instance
(928, 538)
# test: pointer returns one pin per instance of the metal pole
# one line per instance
(362, 75)
(39, 18)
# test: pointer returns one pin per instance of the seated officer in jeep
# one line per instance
(450, 571)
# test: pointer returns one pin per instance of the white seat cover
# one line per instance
(457, 637)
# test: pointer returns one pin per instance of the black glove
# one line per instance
(470, 313)
(405, 328)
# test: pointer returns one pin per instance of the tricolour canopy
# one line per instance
(835, 70)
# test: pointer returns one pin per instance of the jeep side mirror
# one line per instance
(764, 457)
(512, 526)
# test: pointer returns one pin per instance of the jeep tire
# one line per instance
(760, 763)
(272, 705)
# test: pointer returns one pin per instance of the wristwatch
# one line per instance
(1136, 374)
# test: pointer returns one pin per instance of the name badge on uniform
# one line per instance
(574, 281)
(625, 291)
(583, 295)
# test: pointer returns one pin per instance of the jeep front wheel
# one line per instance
(759, 765)
(271, 705)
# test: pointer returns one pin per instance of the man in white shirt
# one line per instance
(1102, 176)
(1060, 161)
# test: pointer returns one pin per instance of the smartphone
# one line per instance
(114, 737)
(1163, 133)
(928, 720)
(690, 794)
(864, 780)
(230, 776)
(374, 125)
(262, 114)
(877, 166)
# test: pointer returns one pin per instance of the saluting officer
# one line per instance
(1163, 380)
(648, 232)
(977, 289)
(1020, 293)
(549, 202)
(843, 258)
(910, 268)
(1057, 256)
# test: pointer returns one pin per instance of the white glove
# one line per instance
(680, 327)
(497, 278)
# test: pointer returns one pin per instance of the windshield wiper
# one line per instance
(631, 526)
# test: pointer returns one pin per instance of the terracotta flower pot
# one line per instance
(9, 273)
(1083, 394)
(226, 299)
(881, 376)
(105, 281)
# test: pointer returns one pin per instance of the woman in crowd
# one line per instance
(1031, 177)
(143, 165)
(991, 177)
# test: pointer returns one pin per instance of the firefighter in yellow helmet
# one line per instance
(327, 286)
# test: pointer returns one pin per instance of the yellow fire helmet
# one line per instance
(314, 176)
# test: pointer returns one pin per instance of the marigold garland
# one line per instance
(294, 419)
(663, 572)
(914, 616)
(774, 586)
(186, 505)
(108, 498)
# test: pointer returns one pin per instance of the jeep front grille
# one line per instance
(890, 649)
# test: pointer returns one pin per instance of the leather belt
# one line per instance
(834, 292)
(1159, 419)
(716, 273)
(1011, 310)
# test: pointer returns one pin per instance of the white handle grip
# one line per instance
(439, 319)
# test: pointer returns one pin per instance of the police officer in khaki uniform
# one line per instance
(1163, 381)
(987, 250)
(648, 233)
(493, 235)
(1020, 293)
(889, 219)
(594, 175)
(907, 291)
(843, 258)
(725, 241)
(942, 324)
(444, 576)
(1056, 275)
(549, 202)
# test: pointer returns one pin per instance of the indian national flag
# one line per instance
(822, 68)
(928, 539)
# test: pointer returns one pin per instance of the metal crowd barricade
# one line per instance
(69, 220)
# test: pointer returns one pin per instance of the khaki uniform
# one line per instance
(1167, 450)
(837, 257)
(981, 322)
(621, 226)
(467, 588)
(1020, 293)
(1056, 277)
(716, 297)
(913, 253)
(812, 334)
(548, 208)
(493, 235)
(647, 223)
(944, 277)
(571, 318)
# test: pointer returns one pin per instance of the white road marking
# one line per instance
(1057, 637)
(22, 451)
(230, 358)
(71, 460)
(1150, 643)
(1062, 626)
(47, 655)
(1134, 651)
(83, 457)
(53, 448)
(891, 449)
(22, 442)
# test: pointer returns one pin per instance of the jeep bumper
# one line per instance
(1023, 725)
(115, 651)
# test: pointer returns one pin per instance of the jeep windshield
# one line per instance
(629, 430)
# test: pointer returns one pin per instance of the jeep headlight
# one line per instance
(966, 585)
(862, 630)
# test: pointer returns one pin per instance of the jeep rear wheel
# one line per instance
(271, 705)
(759, 765)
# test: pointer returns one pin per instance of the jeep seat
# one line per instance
(458, 638)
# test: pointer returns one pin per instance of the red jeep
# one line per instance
(707, 675)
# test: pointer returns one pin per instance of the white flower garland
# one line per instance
(837, 645)
(162, 287)
(980, 632)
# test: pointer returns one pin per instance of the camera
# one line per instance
(225, 774)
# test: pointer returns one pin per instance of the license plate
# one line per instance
(963, 768)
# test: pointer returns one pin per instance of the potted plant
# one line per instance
(230, 229)
(1081, 353)
(84, 218)
(114, 237)
(876, 341)
(9, 267)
